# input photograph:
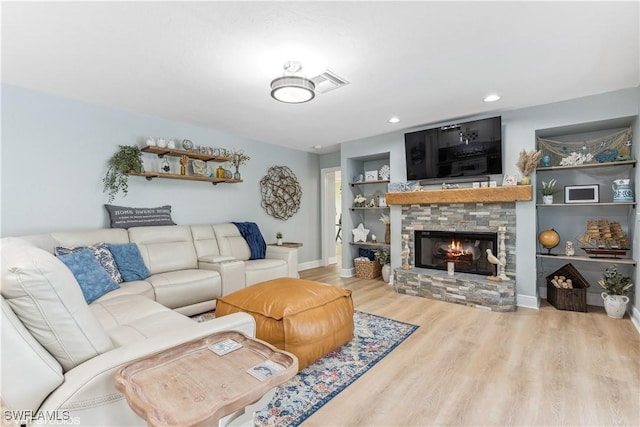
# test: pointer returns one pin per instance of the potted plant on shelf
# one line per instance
(384, 258)
(616, 286)
(279, 238)
(127, 159)
(527, 162)
(548, 190)
(238, 158)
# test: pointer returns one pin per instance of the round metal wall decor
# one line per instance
(281, 192)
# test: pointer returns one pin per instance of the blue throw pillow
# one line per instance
(102, 254)
(371, 254)
(129, 261)
(92, 278)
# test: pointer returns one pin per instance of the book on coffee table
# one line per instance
(225, 346)
(266, 369)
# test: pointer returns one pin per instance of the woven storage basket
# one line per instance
(568, 299)
(367, 269)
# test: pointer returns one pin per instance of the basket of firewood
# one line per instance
(567, 289)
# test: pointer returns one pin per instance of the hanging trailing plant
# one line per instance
(128, 158)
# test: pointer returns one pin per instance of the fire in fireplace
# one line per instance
(434, 249)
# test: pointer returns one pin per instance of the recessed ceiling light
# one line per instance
(491, 98)
(394, 119)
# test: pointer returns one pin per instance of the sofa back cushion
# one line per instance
(231, 242)
(29, 372)
(204, 240)
(71, 239)
(47, 299)
(165, 248)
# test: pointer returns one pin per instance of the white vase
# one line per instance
(386, 272)
(547, 200)
(615, 305)
(279, 242)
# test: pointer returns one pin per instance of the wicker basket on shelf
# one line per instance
(366, 269)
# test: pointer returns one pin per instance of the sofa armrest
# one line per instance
(232, 274)
(89, 393)
(289, 255)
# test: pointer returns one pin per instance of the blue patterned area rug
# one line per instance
(297, 399)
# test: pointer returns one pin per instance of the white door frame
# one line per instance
(327, 219)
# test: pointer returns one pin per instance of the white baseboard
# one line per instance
(347, 272)
(592, 298)
(527, 301)
(634, 314)
(332, 260)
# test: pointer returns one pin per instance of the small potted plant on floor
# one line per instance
(548, 190)
(616, 286)
(279, 238)
(127, 159)
(384, 258)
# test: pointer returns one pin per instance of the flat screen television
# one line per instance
(455, 151)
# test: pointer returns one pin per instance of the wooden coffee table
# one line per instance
(191, 385)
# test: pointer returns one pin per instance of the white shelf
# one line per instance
(589, 259)
(588, 165)
(376, 245)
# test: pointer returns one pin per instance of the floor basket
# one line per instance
(568, 299)
(366, 269)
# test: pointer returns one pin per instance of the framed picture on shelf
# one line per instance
(370, 175)
(582, 193)
(509, 180)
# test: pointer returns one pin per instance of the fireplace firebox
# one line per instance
(467, 250)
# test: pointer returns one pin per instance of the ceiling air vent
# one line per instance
(328, 81)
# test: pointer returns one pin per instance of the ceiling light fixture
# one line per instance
(394, 119)
(291, 88)
(491, 98)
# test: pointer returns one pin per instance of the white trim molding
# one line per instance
(527, 301)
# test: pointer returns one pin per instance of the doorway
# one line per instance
(331, 218)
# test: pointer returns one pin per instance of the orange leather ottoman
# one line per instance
(303, 317)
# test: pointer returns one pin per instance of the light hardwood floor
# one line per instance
(470, 367)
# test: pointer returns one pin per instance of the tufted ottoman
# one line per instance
(303, 317)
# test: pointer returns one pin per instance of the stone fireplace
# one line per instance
(464, 230)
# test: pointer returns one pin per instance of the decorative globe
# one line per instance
(549, 239)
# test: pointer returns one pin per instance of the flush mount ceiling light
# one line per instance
(291, 88)
(394, 119)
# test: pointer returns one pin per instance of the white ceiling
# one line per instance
(211, 63)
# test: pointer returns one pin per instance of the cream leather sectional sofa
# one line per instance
(59, 353)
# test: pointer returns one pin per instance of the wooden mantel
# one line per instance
(516, 193)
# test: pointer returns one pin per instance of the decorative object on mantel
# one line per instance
(127, 158)
(608, 148)
(387, 227)
(602, 238)
(527, 162)
(549, 239)
(548, 190)
(238, 158)
(616, 286)
(360, 233)
(281, 192)
(495, 261)
(279, 238)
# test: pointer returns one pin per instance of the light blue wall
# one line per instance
(54, 152)
(519, 127)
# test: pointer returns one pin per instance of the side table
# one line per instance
(190, 385)
(288, 244)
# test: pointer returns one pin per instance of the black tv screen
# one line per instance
(455, 151)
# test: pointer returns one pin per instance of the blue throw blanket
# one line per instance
(253, 236)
